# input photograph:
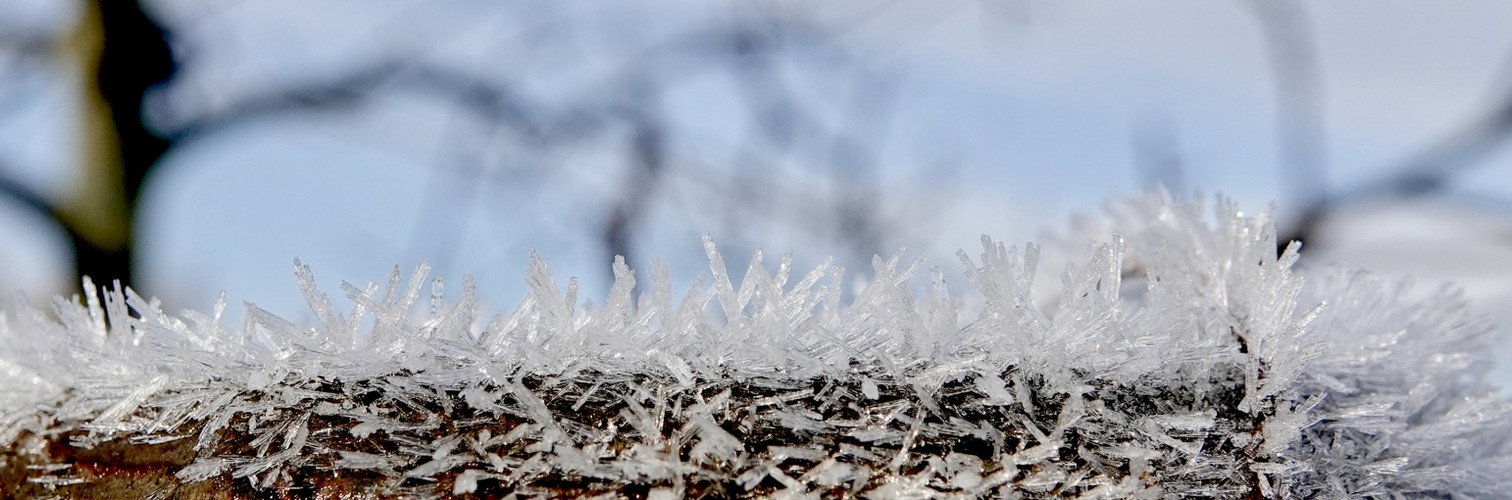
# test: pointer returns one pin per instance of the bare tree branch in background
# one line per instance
(131, 53)
(854, 153)
(122, 54)
(492, 101)
(1300, 135)
(647, 158)
(1157, 155)
(1295, 68)
(1427, 172)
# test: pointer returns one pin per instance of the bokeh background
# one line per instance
(192, 146)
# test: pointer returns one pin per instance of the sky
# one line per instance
(1004, 119)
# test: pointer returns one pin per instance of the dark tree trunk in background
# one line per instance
(134, 57)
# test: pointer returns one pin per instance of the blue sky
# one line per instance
(1033, 109)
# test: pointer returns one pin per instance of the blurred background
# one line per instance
(191, 146)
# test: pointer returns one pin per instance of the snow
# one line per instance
(1178, 355)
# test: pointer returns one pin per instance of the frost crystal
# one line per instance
(1180, 359)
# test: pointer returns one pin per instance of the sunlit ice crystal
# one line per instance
(1176, 355)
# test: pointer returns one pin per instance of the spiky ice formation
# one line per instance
(1182, 359)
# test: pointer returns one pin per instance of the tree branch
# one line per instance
(1299, 98)
(31, 199)
(1422, 174)
(493, 101)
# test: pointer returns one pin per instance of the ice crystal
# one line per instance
(1179, 357)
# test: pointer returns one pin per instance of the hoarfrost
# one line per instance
(1226, 376)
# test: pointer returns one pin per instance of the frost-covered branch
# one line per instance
(1225, 375)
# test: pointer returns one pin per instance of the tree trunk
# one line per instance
(122, 53)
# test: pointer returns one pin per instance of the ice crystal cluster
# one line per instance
(1180, 358)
